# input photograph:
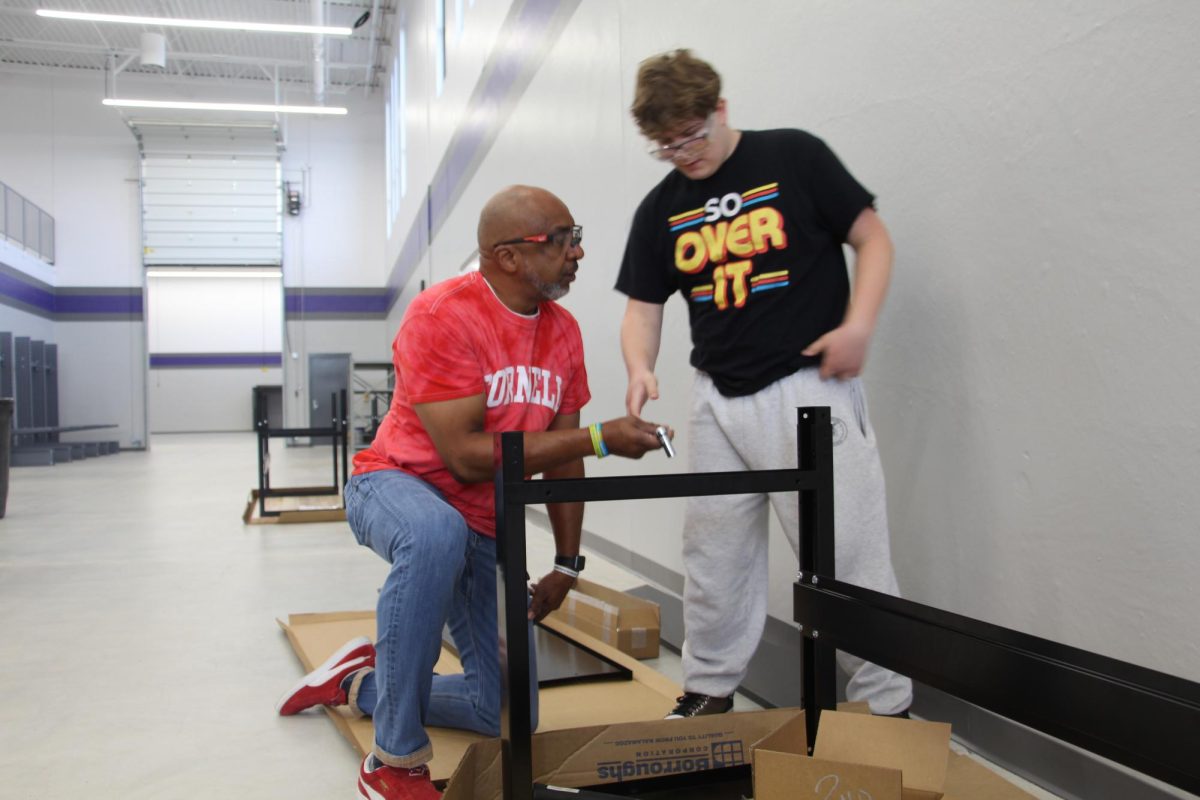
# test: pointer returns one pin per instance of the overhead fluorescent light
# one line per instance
(190, 106)
(214, 273)
(176, 22)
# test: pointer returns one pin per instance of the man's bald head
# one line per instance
(516, 211)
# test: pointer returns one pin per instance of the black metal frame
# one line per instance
(339, 439)
(813, 480)
(1148, 721)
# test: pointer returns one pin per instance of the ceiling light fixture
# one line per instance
(190, 106)
(218, 24)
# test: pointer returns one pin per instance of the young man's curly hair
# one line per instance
(673, 89)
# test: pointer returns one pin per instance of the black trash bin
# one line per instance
(6, 409)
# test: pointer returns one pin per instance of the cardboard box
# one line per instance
(856, 755)
(606, 754)
(623, 621)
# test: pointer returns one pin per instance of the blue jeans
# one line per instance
(442, 573)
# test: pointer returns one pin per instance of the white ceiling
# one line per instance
(29, 43)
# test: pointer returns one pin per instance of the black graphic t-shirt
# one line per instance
(756, 252)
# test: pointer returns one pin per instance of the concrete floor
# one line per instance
(140, 655)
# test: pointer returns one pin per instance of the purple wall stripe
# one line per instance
(208, 360)
(28, 294)
(125, 303)
(352, 303)
(484, 115)
(31, 295)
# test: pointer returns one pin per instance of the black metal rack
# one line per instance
(1146, 720)
(339, 441)
(813, 480)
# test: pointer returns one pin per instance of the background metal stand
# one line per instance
(335, 435)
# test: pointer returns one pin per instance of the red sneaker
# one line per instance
(323, 686)
(393, 783)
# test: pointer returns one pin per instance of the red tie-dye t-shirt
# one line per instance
(457, 340)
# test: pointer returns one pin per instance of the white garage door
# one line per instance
(211, 196)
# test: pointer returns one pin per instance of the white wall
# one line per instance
(207, 400)
(1029, 379)
(338, 239)
(202, 314)
(77, 160)
(195, 315)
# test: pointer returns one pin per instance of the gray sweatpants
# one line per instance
(725, 536)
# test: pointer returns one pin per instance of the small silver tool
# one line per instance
(661, 433)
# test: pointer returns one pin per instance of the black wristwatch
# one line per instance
(574, 563)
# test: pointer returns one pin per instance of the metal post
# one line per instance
(345, 429)
(333, 424)
(511, 601)
(814, 444)
(262, 427)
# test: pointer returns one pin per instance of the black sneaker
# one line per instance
(699, 705)
(898, 715)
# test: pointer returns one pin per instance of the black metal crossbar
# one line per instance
(813, 480)
(1146, 720)
(685, 484)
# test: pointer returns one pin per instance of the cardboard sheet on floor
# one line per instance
(647, 697)
(299, 508)
(967, 779)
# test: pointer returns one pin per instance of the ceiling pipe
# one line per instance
(370, 78)
(318, 18)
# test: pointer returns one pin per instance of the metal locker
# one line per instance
(24, 382)
(37, 396)
(6, 364)
(51, 370)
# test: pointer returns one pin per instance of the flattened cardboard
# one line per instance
(967, 779)
(315, 636)
(628, 623)
(868, 751)
(292, 510)
(604, 754)
(648, 696)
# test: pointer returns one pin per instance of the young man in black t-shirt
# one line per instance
(748, 228)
